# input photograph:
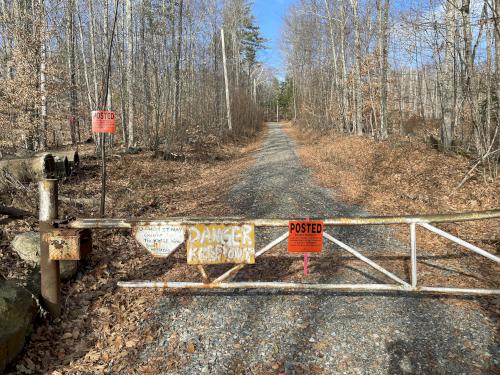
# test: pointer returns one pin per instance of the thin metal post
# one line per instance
(103, 175)
(49, 269)
(413, 244)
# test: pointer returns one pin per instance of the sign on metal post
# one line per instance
(161, 240)
(305, 236)
(103, 122)
(219, 243)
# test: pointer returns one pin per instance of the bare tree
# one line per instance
(130, 75)
(357, 91)
(70, 50)
(382, 30)
(166, 78)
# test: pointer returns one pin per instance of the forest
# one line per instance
(382, 68)
(249, 187)
(370, 67)
(157, 64)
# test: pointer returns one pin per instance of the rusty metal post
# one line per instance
(49, 269)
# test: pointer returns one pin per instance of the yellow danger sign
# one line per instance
(217, 244)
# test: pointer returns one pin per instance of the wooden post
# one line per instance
(226, 82)
(49, 269)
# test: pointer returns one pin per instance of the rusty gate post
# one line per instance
(49, 269)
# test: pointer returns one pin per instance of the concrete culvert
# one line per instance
(72, 156)
(30, 169)
(63, 169)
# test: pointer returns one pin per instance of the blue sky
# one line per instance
(269, 15)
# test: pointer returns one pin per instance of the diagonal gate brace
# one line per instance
(366, 260)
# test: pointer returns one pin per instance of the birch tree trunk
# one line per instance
(382, 26)
(334, 56)
(358, 96)
(496, 9)
(344, 89)
(224, 62)
(147, 97)
(70, 50)
(93, 49)
(447, 78)
(107, 39)
(84, 59)
(43, 77)
(130, 74)
(177, 70)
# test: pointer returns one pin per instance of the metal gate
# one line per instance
(70, 239)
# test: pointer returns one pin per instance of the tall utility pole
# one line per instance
(226, 82)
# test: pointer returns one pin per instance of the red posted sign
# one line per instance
(103, 122)
(305, 236)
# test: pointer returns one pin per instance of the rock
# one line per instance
(68, 269)
(27, 246)
(18, 309)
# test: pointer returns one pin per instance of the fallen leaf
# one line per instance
(190, 348)
(130, 343)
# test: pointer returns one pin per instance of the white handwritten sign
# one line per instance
(216, 244)
(161, 240)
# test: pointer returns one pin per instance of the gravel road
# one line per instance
(265, 332)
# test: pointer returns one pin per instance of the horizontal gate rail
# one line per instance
(50, 226)
(104, 223)
(303, 286)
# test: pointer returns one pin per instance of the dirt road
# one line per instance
(262, 332)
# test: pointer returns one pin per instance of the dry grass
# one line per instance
(398, 178)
